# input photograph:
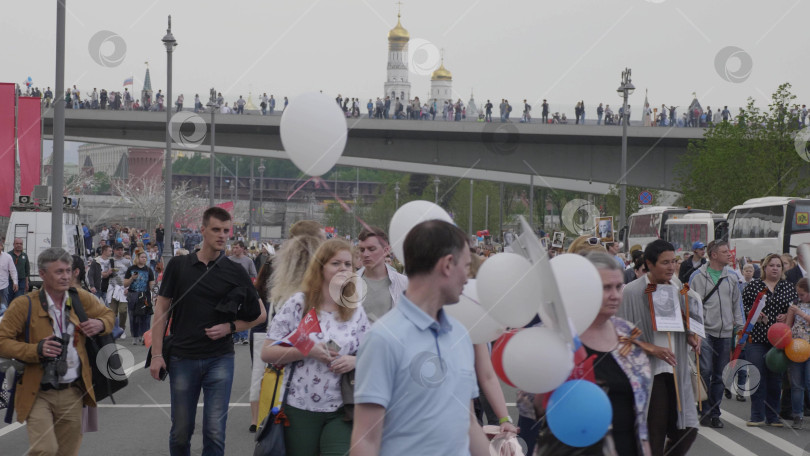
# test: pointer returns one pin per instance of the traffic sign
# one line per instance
(645, 197)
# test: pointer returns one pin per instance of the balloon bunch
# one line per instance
(29, 81)
(785, 348)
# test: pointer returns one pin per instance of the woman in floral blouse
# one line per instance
(779, 295)
(620, 364)
(314, 403)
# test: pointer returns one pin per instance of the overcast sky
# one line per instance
(564, 51)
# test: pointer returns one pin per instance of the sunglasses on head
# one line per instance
(593, 240)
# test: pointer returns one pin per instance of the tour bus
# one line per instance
(773, 224)
(683, 230)
(649, 224)
(32, 223)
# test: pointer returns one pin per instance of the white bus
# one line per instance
(773, 224)
(649, 224)
(683, 230)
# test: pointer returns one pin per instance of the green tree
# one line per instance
(754, 157)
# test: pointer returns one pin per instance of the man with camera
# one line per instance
(57, 380)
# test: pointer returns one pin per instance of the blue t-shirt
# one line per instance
(422, 371)
(141, 283)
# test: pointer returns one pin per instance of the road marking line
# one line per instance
(772, 439)
(11, 428)
(132, 369)
(232, 404)
(726, 444)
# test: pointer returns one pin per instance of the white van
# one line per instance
(683, 230)
(32, 223)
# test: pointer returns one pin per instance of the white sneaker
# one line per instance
(123, 336)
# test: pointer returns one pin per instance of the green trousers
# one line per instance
(317, 433)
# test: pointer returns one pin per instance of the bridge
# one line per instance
(572, 157)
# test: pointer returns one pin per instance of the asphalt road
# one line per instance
(138, 424)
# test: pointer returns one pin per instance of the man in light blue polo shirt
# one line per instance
(415, 377)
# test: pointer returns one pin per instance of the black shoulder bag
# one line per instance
(270, 435)
(108, 371)
(716, 286)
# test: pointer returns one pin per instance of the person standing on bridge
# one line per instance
(599, 112)
(201, 354)
(240, 105)
(488, 111)
(545, 111)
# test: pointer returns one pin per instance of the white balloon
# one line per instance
(580, 287)
(313, 132)
(537, 360)
(480, 326)
(408, 216)
(509, 289)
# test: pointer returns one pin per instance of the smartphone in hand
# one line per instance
(332, 345)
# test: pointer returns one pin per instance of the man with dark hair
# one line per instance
(58, 377)
(717, 287)
(434, 369)
(23, 266)
(238, 252)
(672, 427)
(98, 276)
(384, 283)
(796, 273)
(202, 356)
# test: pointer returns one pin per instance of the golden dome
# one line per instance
(441, 74)
(398, 34)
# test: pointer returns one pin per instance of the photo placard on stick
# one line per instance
(604, 229)
(558, 239)
(665, 309)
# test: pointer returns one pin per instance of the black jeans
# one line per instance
(665, 437)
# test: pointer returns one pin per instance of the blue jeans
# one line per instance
(160, 249)
(3, 301)
(714, 356)
(799, 384)
(187, 377)
(765, 400)
(21, 290)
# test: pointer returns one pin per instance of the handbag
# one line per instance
(270, 434)
(11, 372)
(142, 307)
(347, 393)
(110, 377)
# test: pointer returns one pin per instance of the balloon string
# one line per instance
(320, 182)
(302, 186)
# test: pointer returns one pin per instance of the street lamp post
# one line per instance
(396, 194)
(251, 209)
(213, 106)
(436, 182)
(261, 197)
(470, 226)
(625, 90)
(58, 156)
(170, 43)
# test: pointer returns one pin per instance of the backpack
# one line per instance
(509, 108)
(528, 107)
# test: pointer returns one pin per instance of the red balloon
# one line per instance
(497, 355)
(779, 335)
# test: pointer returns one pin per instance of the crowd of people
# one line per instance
(691, 116)
(218, 293)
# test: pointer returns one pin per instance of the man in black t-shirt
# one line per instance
(201, 353)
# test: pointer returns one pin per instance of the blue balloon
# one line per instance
(579, 413)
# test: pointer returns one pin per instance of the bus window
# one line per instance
(645, 225)
(682, 236)
(758, 222)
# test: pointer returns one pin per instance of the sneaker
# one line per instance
(755, 423)
(123, 336)
(797, 422)
(727, 392)
(134, 341)
(716, 423)
(252, 428)
(740, 398)
(776, 424)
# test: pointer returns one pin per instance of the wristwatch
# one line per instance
(233, 327)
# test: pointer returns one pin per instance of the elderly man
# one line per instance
(57, 380)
